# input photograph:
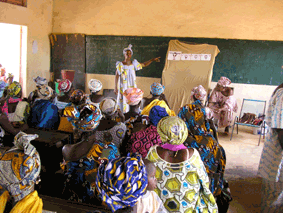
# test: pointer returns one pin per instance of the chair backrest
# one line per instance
(252, 109)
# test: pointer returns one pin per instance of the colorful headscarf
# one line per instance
(157, 88)
(89, 117)
(44, 92)
(198, 92)
(108, 106)
(128, 48)
(94, 85)
(133, 95)
(20, 167)
(77, 96)
(64, 85)
(71, 112)
(3, 85)
(40, 81)
(224, 81)
(172, 130)
(121, 181)
(14, 89)
(156, 113)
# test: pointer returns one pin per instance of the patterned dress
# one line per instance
(200, 138)
(143, 140)
(270, 165)
(114, 135)
(127, 79)
(225, 117)
(184, 186)
(80, 175)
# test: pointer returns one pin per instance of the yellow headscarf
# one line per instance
(172, 130)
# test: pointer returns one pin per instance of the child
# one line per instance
(150, 201)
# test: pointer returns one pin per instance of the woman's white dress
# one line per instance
(127, 79)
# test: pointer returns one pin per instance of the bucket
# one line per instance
(68, 74)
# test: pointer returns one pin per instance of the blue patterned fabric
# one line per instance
(3, 85)
(270, 166)
(80, 175)
(156, 113)
(200, 137)
(157, 88)
(121, 181)
(44, 114)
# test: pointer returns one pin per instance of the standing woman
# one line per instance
(126, 75)
(270, 165)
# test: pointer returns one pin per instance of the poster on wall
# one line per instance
(174, 55)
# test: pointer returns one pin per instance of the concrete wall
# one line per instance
(240, 19)
(37, 16)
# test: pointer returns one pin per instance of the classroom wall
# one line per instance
(37, 16)
(242, 19)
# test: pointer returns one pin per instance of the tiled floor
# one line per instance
(243, 155)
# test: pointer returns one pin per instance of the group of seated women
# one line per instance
(149, 159)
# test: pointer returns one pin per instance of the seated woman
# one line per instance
(182, 182)
(133, 118)
(157, 99)
(14, 108)
(156, 92)
(121, 182)
(95, 86)
(17, 182)
(201, 138)
(65, 86)
(109, 130)
(82, 159)
(44, 114)
(223, 104)
(142, 139)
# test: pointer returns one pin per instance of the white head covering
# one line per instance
(128, 48)
(40, 81)
(94, 85)
(199, 92)
(108, 106)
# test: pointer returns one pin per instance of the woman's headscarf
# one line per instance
(224, 81)
(94, 85)
(121, 181)
(44, 92)
(14, 89)
(88, 118)
(157, 88)
(172, 131)
(198, 92)
(133, 96)
(108, 106)
(64, 85)
(20, 167)
(40, 81)
(156, 113)
(77, 97)
(128, 48)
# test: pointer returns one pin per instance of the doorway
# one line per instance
(13, 51)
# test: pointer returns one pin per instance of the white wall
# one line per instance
(37, 16)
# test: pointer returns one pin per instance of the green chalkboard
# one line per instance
(243, 61)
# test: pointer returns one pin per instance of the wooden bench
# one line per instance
(66, 206)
